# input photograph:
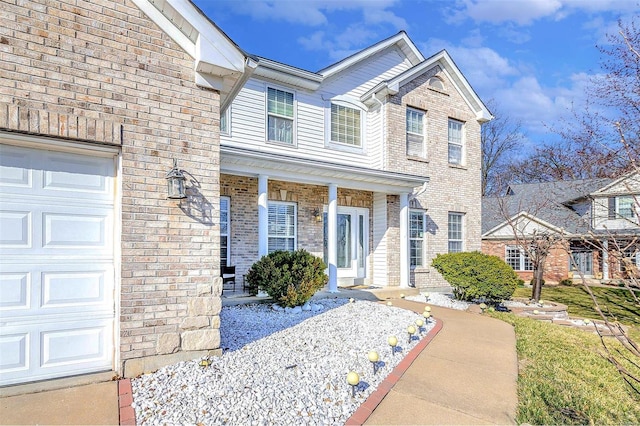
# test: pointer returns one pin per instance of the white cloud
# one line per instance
(525, 12)
(340, 45)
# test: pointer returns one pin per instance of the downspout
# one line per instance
(384, 129)
(250, 66)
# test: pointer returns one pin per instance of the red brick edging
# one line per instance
(125, 398)
(364, 411)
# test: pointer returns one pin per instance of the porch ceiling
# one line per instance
(246, 162)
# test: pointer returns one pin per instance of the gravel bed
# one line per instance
(440, 299)
(280, 367)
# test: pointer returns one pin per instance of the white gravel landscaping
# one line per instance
(280, 368)
(440, 299)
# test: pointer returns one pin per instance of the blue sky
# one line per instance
(533, 57)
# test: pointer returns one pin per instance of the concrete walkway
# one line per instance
(466, 374)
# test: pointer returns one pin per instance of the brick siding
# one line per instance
(100, 71)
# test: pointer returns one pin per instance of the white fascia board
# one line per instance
(523, 215)
(402, 39)
(167, 26)
(603, 190)
(253, 163)
(213, 46)
(287, 75)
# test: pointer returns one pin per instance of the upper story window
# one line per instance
(279, 116)
(415, 133)
(455, 232)
(625, 207)
(416, 238)
(225, 122)
(281, 226)
(518, 259)
(346, 127)
(456, 141)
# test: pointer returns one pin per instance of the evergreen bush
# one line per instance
(477, 276)
(289, 277)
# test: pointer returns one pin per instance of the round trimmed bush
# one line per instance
(474, 275)
(289, 277)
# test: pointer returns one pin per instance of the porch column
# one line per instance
(605, 260)
(332, 237)
(263, 215)
(404, 240)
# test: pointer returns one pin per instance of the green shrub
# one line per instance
(289, 277)
(474, 275)
(566, 281)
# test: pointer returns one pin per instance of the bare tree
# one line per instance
(500, 137)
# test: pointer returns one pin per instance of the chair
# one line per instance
(228, 274)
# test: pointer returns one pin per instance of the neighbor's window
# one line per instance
(518, 259)
(282, 226)
(625, 207)
(415, 133)
(280, 115)
(416, 238)
(455, 141)
(345, 125)
(455, 232)
(225, 208)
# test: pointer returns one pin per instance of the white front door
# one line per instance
(57, 257)
(353, 241)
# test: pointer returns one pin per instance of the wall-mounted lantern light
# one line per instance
(175, 182)
(317, 215)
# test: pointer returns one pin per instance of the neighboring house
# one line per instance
(598, 219)
(372, 163)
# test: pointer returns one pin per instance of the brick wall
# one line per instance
(556, 266)
(99, 71)
(451, 188)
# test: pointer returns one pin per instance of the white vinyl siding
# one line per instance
(346, 125)
(280, 116)
(415, 133)
(455, 232)
(518, 259)
(282, 226)
(225, 230)
(416, 238)
(456, 141)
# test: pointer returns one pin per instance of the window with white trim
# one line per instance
(280, 116)
(518, 259)
(416, 238)
(455, 232)
(415, 133)
(346, 127)
(625, 207)
(282, 226)
(225, 230)
(456, 141)
(225, 122)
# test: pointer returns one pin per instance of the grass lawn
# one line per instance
(617, 301)
(563, 377)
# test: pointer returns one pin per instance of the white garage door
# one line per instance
(56, 264)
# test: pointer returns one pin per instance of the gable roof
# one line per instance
(218, 62)
(555, 203)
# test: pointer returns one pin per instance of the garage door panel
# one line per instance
(15, 168)
(15, 228)
(84, 231)
(80, 289)
(15, 290)
(55, 349)
(13, 352)
(77, 174)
